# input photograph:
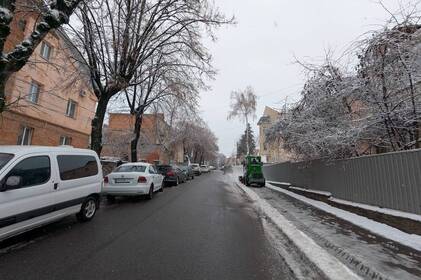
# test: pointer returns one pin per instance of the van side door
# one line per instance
(79, 175)
(27, 189)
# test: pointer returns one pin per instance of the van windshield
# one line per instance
(4, 159)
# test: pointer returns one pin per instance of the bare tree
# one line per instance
(52, 15)
(117, 38)
(243, 106)
(172, 80)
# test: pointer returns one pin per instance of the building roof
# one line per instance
(263, 120)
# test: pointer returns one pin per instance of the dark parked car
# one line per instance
(188, 171)
(173, 175)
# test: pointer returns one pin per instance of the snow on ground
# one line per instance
(410, 240)
(387, 211)
(327, 263)
(311, 191)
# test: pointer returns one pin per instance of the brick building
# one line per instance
(53, 100)
(153, 144)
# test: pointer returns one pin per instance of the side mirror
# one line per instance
(12, 182)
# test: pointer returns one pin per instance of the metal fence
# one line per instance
(388, 180)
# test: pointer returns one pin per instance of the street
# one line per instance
(202, 229)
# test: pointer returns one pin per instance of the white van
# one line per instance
(39, 185)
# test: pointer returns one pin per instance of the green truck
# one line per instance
(253, 174)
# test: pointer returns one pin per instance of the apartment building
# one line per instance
(270, 151)
(53, 102)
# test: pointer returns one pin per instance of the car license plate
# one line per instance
(122, 180)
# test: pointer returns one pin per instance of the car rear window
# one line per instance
(4, 159)
(164, 168)
(130, 168)
(77, 166)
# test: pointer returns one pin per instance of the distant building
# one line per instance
(270, 152)
(152, 146)
(54, 102)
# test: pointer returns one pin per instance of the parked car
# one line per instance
(204, 169)
(196, 169)
(133, 179)
(173, 175)
(39, 185)
(188, 171)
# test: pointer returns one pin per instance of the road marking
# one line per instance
(328, 264)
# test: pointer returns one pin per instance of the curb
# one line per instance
(328, 265)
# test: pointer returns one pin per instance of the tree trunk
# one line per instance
(135, 140)
(2, 94)
(97, 123)
(247, 136)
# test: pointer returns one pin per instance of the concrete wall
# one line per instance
(390, 180)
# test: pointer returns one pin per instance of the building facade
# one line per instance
(270, 151)
(52, 100)
(153, 144)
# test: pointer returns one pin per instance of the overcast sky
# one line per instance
(259, 51)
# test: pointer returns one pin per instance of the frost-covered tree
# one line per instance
(322, 124)
(390, 73)
(51, 15)
(372, 110)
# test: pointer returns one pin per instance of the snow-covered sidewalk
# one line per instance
(370, 255)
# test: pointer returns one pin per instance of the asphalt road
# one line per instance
(203, 229)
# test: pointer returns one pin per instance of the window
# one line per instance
(71, 108)
(130, 168)
(4, 159)
(65, 140)
(34, 90)
(25, 136)
(152, 170)
(33, 171)
(46, 51)
(74, 167)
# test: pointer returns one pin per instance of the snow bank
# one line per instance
(327, 263)
(410, 240)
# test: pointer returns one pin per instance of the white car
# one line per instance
(39, 185)
(204, 169)
(133, 179)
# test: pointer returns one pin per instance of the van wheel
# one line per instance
(88, 210)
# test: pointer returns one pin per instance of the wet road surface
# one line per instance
(203, 229)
